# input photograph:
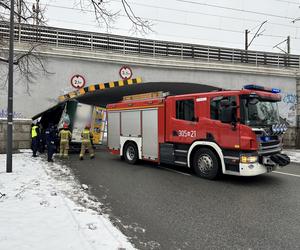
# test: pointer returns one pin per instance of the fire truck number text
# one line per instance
(186, 133)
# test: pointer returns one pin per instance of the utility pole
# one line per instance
(246, 39)
(36, 11)
(288, 45)
(19, 10)
(257, 34)
(9, 143)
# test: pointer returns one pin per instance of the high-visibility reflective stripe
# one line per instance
(86, 135)
(65, 135)
(33, 131)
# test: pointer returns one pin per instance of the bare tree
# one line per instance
(30, 62)
(105, 15)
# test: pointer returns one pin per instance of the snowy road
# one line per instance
(168, 208)
(42, 207)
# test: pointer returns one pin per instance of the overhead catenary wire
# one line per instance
(174, 22)
(188, 24)
(166, 21)
(209, 14)
(289, 2)
(202, 13)
(236, 9)
(156, 33)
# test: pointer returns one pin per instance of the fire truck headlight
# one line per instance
(248, 159)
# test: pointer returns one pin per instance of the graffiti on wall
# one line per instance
(288, 108)
(3, 114)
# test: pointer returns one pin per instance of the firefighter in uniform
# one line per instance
(65, 136)
(50, 141)
(34, 139)
(42, 139)
(86, 142)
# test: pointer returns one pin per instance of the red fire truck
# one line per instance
(236, 132)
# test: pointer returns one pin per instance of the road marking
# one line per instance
(174, 171)
(295, 175)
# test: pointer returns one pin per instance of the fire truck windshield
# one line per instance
(259, 112)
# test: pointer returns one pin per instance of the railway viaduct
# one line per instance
(99, 57)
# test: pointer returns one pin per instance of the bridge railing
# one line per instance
(128, 45)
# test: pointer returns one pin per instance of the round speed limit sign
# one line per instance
(125, 72)
(78, 81)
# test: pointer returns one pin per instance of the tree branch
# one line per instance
(6, 6)
(2, 59)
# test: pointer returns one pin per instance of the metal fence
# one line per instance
(129, 45)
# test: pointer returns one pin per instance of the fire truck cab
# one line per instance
(235, 132)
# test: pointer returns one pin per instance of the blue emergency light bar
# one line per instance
(261, 88)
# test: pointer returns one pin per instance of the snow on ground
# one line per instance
(42, 206)
(294, 154)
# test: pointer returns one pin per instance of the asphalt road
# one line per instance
(168, 208)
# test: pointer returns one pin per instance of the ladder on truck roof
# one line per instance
(150, 95)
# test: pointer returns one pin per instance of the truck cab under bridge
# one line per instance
(100, 95)
(109, 95)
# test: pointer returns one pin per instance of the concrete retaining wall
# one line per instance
(22, 140)
(21, 134)
(289, 139)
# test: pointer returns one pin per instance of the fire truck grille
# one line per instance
(270, 147)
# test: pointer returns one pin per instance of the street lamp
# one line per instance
(9, 142)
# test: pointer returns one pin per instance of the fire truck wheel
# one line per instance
(131, 153)
(206, 164)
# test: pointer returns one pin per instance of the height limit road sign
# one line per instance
(78, 81)
(125, 72)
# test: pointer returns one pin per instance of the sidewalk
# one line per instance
(294, 154)
(40, 209)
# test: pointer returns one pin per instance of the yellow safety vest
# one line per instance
(65, 135)
(85, 135)
(33, 131)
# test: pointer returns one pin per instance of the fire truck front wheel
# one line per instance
(130, 153)
(206, 164)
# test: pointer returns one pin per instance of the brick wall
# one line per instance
(21, 136)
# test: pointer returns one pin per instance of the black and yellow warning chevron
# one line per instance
(98, 87)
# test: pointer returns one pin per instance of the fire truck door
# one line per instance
(226, 134)
(182, 123)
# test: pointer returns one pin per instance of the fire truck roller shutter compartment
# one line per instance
(131, 132)
(150, 134)
(113, 127)
(131, 123)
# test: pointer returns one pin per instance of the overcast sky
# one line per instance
(223, 23)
